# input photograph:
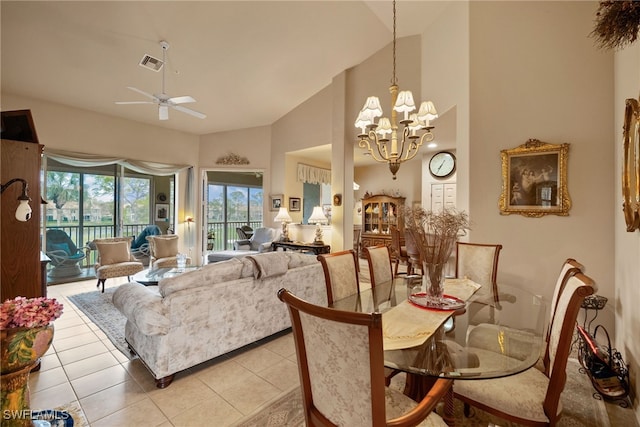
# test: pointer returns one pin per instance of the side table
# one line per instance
(302, 247)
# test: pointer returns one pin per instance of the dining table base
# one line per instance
(417, 386)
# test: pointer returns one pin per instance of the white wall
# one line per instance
(627, 245)
(529, 79)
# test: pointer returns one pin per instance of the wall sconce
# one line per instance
(317, 217)
(284, 217)
(23, 212)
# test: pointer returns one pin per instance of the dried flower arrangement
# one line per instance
(21, 312)
(435, 235)
(617, 23)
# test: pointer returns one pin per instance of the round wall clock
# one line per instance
(442, 164)
(161, 197)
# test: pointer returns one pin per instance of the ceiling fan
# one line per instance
(163, 100)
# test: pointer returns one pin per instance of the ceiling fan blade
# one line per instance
(141, 92)
(134, 102)
(181, 99)
(163, 112)
(190, 111)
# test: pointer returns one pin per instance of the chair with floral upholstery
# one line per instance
(344, 383)
(164, 251)
(115, 259)
(532, 397)
(340, 274)
(379, 261)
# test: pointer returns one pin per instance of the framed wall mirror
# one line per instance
(631, 165)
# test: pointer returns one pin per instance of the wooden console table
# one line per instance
(301, 247)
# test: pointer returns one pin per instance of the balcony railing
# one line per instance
(224, 234)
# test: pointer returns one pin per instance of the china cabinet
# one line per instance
(22, 267)
(378, 214)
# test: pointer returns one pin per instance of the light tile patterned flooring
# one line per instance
(83, 367)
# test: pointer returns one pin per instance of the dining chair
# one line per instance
(340, 274)
(379, 261)
(357, 233)
(398, 250)
(344, 385)
(532, 397)
(413, 253)
(479, 262)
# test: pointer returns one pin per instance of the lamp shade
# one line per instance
(23, 213)
(317, 216)
(283, 216)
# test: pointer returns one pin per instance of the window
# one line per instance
(233, 199)
(87, 203)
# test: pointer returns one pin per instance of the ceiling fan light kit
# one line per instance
(163, 100)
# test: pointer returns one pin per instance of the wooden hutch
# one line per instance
(22, 265)
(378, 213)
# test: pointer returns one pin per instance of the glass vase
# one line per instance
(433, 280)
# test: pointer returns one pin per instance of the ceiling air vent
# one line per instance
(151, 63)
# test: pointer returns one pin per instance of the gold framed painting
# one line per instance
(534, 180)
(631, 165)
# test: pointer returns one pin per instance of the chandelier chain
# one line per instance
(394, 80)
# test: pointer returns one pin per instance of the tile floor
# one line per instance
(83, 368)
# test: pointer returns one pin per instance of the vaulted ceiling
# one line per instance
(247, 63)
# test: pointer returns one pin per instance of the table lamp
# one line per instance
(317, 217)
(284, 218)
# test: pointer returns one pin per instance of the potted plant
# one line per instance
(26, 333)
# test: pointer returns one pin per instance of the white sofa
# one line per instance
(259, 242)
(196, 316)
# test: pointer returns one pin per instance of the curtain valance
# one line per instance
(88, 160)
(313, 175)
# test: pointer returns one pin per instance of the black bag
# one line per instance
(604, 365)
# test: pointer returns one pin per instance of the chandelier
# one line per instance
(381, 139)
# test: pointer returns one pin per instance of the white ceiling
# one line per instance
(247, 63)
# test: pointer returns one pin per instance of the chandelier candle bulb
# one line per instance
(416, 129)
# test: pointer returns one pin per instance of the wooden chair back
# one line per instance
(340, 274)
(380, 267)
(569, 268)
(479, 262)
(410, 241)
(398, 252)
(576, 288)
(344, 383)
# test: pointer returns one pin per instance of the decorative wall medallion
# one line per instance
(232, 159)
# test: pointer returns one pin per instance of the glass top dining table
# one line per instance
(484, 339)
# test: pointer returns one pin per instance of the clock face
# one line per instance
(442, 164)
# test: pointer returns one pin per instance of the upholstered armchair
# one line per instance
(140, 246)
(115, 259)
(65, 255)
(164, 251)
(260, 241)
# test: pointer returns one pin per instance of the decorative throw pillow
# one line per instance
(113, 252)
(164, 247)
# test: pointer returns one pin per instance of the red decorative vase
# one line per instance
(21, 349)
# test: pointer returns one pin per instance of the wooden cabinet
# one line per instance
(20, 241)
(378, 214)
